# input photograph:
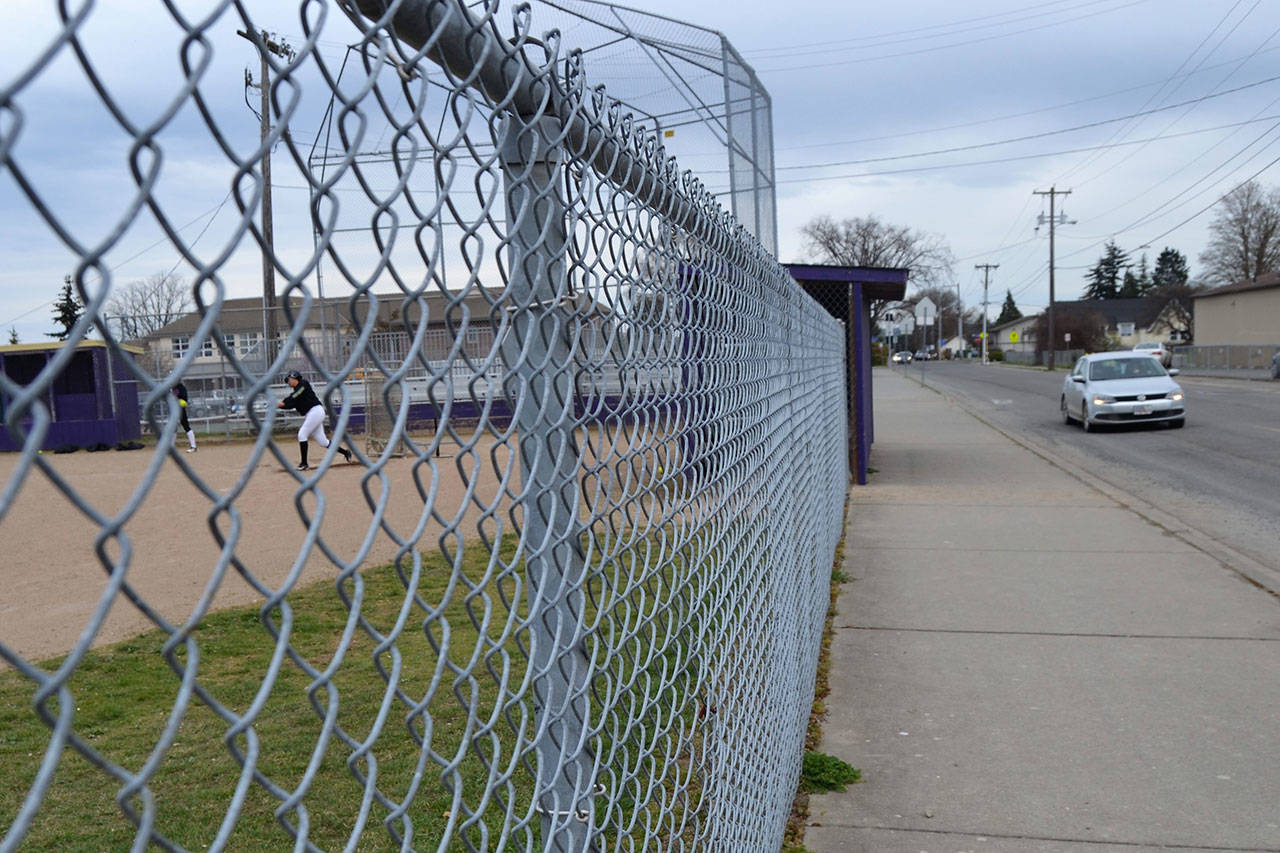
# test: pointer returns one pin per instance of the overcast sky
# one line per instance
(942, 117)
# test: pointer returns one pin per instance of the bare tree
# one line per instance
(1086, 326)
(1244, 239)
(137, 310)
(865, 241)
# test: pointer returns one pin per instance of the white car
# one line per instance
(1120, 388)
(1155, 349)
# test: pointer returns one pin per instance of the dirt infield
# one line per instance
(53, 580)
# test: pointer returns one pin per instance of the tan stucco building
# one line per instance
(1247, 312)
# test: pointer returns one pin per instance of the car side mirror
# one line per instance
(1078, 378)
(1173, 371)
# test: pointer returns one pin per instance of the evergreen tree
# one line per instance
(13, 335)
(1171, 269)
(1105, 276)
(1144, 275)
(1132, 286)
(1009, 311)
(66, 311)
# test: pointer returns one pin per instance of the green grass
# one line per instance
(822, 772)
(463, 646)
(124, 694)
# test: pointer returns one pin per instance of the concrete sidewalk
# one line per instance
(1022, 663)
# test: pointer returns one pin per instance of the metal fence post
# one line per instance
(539, 361)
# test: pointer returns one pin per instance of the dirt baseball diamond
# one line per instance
(54, 581)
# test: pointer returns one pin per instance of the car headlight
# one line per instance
(1103, 399)
(1176, 396)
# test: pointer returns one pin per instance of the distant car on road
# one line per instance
(1121, 387)
(903, 357)
(1275, 366)
(1155, 349)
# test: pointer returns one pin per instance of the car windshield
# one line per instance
(1124, 368)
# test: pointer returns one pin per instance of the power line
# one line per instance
(1020, 157)
(212, 213)
(922, 51)
(877, 40)
(1121, 161)
(1064, 105)
(979, 145)
(1119, 132)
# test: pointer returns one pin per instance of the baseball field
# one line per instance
(55, 579)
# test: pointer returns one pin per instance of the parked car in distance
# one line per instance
(903, 357)
(1156, 349)
(1121, 387)
(1275, 366)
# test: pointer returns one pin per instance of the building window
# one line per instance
(250, 342)
(181, 346)
(207, 348)
(1125, 329)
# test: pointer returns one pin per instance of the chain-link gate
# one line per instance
(583, 611)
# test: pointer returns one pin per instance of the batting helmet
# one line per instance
(293, 374)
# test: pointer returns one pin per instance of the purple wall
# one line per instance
(80, 398)
(847, 293)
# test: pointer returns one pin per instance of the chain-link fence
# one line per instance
(581, 610)
(1250, 361)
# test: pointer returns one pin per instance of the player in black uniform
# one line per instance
(180, 392)
(304, 401)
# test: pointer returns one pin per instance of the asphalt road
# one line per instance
(1219, 475)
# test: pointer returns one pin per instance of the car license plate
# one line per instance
(1142, 410)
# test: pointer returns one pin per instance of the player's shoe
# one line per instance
(302, 466)
(191, 450)
(346, 454)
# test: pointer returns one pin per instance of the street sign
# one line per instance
(1013, 337)
(925, 310)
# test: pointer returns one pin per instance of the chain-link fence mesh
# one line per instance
(582, 610)
(1255, 361)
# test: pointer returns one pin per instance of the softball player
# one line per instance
(304, 401)
(180, 391)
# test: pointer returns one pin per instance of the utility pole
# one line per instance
(986, 280)
(959, 317)
(1052, 193)
(266, 43)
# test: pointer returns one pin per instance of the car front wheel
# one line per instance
(1084, 417)
(1066, 412)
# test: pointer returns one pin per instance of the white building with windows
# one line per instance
(327, 331)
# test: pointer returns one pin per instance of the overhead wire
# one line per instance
(1156, 96)
(1190, 108)
(923, 51)
(917, 132)
(915, 34)
(1026, 137)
